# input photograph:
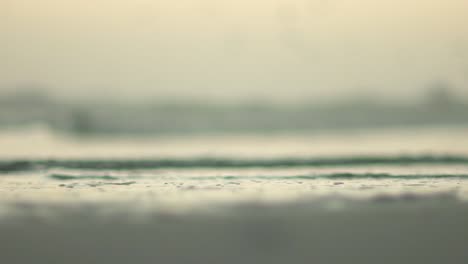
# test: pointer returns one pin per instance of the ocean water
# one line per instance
(172, 172)
(371, 196)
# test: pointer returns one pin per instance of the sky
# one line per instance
(280, 50)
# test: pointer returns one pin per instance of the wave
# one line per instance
(129, 164)
(66, 177)
(341, 176)
(330, 176)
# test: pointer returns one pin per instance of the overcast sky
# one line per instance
(234, 50)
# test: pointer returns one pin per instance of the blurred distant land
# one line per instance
(440, 107)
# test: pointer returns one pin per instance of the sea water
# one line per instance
(373, 196)
(39, 165)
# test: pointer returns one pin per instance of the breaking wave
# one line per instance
(32, 165)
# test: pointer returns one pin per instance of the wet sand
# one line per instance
(411, 208)
(386, 229)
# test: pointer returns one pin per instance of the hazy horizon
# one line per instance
(233, 51)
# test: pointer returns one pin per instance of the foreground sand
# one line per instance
(57, 212)
(404, 215)
(385, 229)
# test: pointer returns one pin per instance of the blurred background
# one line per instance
(242, 131)
(143, 67)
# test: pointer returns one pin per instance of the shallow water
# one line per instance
(172, 188)
(39, 165)
(374, 197)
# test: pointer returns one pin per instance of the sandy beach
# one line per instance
(292, 200)
(386, 229)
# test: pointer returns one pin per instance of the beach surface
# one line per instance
(393, 197)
